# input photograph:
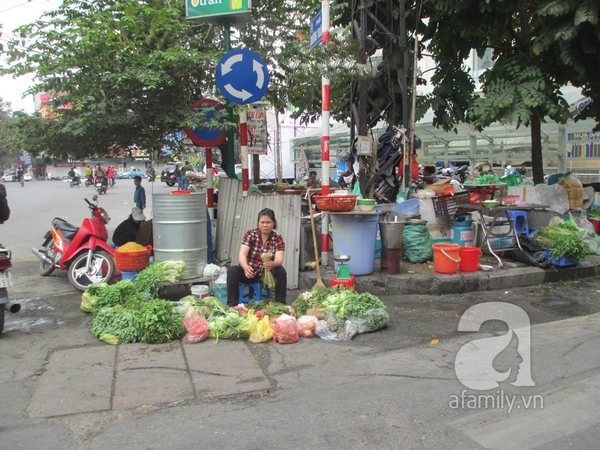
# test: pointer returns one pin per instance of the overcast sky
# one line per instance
(14, 13)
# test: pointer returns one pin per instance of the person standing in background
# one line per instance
(139, 195)
(184, 180)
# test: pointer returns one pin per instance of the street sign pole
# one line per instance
(325, 140)
(230, 147)
(244, 149)
(210, 191)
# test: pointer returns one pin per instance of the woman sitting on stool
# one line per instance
(254, 243)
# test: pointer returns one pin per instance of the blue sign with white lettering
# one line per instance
(242, 76)
(316, 34)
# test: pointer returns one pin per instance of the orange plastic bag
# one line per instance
(263, 331)
(286, 331)
(197, 328)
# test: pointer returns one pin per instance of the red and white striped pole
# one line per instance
(210, 192)
(244, 150)
(325, 138)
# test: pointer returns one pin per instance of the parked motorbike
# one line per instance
(82, 251)
(89, 181)
(5, 282)
(75, 181)
(460, 174)
(101, 186)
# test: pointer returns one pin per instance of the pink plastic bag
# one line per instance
(286, 331)
(197, 328)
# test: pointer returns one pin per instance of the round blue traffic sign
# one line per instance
(206, 136)
(242, 76)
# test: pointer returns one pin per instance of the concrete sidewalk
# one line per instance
(422, 279)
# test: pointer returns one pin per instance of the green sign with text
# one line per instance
(235, 11)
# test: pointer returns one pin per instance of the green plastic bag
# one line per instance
(356, 190)
(417, 243)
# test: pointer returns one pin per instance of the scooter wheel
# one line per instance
(101, 270)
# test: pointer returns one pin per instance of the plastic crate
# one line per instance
(596, 224)
(447, 205)
(563, 261)
(479, 193)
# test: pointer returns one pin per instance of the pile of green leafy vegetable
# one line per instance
(593, 213)
(563, 239)
(489, 178)
(126, 312)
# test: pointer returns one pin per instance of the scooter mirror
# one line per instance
(95, 198)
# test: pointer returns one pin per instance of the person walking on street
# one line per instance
(110, 173)
(184, 180)
(178, 177)
(139, 195)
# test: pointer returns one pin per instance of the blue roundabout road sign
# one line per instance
(242, 76)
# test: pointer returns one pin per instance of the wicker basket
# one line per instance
(447, 205)
(133, 261)
(336, 203)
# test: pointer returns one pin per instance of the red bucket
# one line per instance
(469, 259)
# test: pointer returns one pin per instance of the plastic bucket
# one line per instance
(469, 258)
(200, 291)
(129, 276)
(355, 235)
(446, 258)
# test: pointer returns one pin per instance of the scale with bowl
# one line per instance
(343, 276)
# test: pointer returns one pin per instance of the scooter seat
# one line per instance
(68, 230)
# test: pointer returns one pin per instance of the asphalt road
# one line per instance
(389, 389)
(34, 206)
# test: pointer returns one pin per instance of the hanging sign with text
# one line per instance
(257, 131)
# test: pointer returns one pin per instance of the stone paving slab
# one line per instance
(140, 356)
(151, 386)
(224, 369)
(75, 381)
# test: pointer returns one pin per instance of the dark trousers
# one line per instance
(235, 276)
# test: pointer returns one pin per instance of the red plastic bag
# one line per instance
(197, 328)
(286, 331)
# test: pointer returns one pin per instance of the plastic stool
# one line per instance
(519, 218)
(254, 293)
(350, 283)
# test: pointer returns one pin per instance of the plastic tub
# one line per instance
(129, 276)
(200, 290)
(469, 258)
(355, 235)
(408, 207)
(446, 258)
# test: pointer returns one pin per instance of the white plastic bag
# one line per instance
(555, 196)
(222, 279)
(211, 270)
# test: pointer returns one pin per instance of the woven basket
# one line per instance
(336, 203)
(133, 261)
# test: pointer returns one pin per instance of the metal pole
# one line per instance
(244, 149)
(230, 169)
(210, 192)
(325, 139)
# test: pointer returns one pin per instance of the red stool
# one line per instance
(349, 283)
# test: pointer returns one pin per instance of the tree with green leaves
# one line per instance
(531, 62)
(6, 158)
(123, 72)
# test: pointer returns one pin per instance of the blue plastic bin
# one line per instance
(129, 276)
(355, 235)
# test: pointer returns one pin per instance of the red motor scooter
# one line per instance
(82, 251)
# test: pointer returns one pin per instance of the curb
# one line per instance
(459, 283)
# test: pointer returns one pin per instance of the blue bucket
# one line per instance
(129, 276)
(355, 235)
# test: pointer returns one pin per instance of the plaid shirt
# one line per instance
(253, 239)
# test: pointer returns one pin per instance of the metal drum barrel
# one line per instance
(179, 226)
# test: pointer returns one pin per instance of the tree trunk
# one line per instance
(537, 161)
